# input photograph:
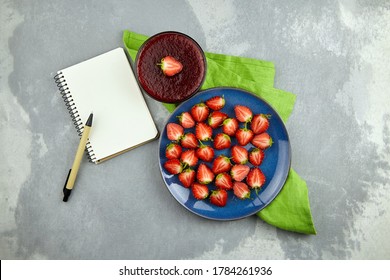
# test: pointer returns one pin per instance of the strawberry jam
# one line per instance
(181, 86)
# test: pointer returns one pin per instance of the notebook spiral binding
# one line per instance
(71, 107)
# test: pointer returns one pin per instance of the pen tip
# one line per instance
(89, 121)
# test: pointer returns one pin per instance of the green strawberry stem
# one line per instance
(268, 116)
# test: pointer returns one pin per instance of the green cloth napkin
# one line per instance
(290, 210)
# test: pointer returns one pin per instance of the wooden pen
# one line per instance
(77, 160)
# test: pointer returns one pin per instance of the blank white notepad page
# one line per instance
(106, 86)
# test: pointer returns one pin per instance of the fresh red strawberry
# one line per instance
(260, 123)
(189, 158)
(170, 66)
(222, 141)
(218, 197)
(203, 132)
(262, 141)
(216, 103)
(174, 131)
(186, 120)
(173, 150)
(187, 177)
(200, 112)
(199, 191)
(243, 113)
(189, 141)
(205, 152)
(256, 156)
(244, 136)
(216, 118)
(224, 181)
(255, 178)
(221, 164)
(239, 172)
(204, 174)
(239, 154)
(230, 126)
(173, 166)
(241, 190)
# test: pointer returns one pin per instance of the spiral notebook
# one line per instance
(106, 86)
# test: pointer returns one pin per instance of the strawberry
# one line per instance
(205, 152)
(216, 118)
(187, 177)
(186, 120)
(224, 181)
(200, 112)
(221, 164)
(244, 136)
(256, 156)
(241, 190)
(174, 131)
(199, 191)
(189, 158)
(239, 154)
(222, 141)
(203, 132)
(170, 66)
(255, 178)
(172, 151)
(216, 103)
(260, 123)
(239, 172)
(243, 113)
(218, 197)
(204, 175)
(189, 141)
(173, 166)
(262, 141)
(230, 126)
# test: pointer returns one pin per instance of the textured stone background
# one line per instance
(334, 55)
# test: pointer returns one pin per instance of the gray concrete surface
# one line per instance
(334, 55)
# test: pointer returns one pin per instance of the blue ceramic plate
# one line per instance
(275, 166)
